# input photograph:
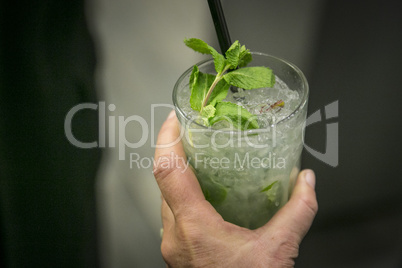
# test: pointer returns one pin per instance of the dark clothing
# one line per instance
(47, 194)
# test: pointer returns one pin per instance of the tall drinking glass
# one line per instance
(248, 175)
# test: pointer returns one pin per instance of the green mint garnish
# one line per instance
(266, 189)
(214, 192)
(200, 84)
(236, 115)
(250, 78)
(271, 192)
(208, 90)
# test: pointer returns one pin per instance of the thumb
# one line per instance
(296, 217)
(175, 179)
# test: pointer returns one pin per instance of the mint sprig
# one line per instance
(208, 90)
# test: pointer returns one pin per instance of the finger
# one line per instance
(296, 217)
(176, 180)
(168, 233)
(167, 216)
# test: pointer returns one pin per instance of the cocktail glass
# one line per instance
(247, 175)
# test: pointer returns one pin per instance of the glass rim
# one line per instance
(295, 111)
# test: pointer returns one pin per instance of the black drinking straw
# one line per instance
(220, 24)
(221, 28)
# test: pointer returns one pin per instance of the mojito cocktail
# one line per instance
(248, 175)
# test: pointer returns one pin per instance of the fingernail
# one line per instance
(309, 176)
(171, 115)
(161, 232)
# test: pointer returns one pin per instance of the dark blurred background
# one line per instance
(47, 193)
(354, 58)
(356, 62)
(61, 206)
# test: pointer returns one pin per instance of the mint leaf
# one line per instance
(219, 93)
(266, 189)
(233, 55)
(199, 86)
(208, 111)
(208, 91)
(219, 61)
(251, 77)
(236, 115)
(198, 45)
(202, 47)
(272, 191)
(245, 57)
(214, 192)
(215, 195)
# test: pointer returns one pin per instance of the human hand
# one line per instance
(195, 235)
